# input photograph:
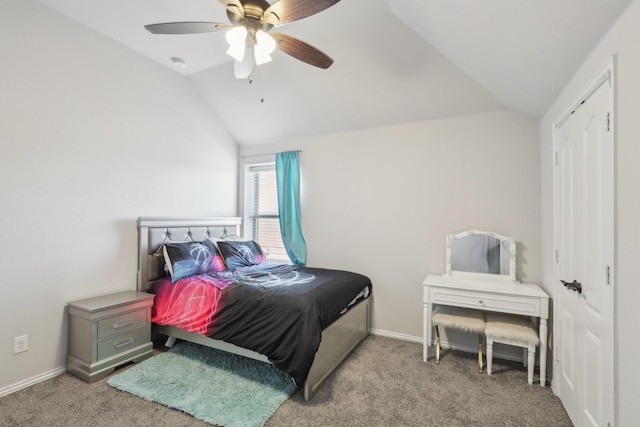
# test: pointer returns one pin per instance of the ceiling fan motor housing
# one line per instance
(253, 13)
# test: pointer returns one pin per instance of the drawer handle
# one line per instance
(125, 343)
(123, 324)
(480, 302)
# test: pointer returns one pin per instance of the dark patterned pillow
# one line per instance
(240, 253)
(191, 258)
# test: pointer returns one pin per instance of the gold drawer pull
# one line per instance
(123, 324)
(125, 343)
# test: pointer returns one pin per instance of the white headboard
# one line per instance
(153, 232)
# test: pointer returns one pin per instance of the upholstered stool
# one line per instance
(512, 330)
(466, 319)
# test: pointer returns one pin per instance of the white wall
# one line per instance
(91, 136)
(381, 201)
(622, 40)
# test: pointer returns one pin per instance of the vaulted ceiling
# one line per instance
(396, 61)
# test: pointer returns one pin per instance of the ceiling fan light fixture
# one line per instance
(236, 51)
(243, 69)
(265, 42)
(249, 22)
(261, 57)
(236, 37)
(264, 46)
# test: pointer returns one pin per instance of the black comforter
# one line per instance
(277, 310)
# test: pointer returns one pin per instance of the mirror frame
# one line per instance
(511, 277)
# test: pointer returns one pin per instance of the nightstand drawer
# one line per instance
(122, 323)
(482, 301)
(124, 342)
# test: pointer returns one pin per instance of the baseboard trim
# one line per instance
(31, 381)
(445, 345)
(396, 335)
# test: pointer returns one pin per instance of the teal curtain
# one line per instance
(288, 177)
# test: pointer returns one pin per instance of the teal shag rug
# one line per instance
(211, 385)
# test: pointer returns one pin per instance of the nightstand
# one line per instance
(108, 331)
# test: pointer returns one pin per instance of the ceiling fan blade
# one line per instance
(185, 27)
(234, 8)
(285, 11)
(302, 51)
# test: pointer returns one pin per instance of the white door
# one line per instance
(584, 242)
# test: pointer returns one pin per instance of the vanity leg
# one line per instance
(437, 344)
(531, 352)
(428, 333)
(543, 351)
(426, 325)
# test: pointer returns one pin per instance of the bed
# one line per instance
(315, 317)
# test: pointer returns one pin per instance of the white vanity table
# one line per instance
(484, 281)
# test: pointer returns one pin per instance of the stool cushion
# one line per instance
(458, 318)
(510, 327)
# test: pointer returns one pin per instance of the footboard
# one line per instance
(337, 342)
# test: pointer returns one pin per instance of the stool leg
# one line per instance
(480, 353)
(437, 344)
(489, 354)
(531, 362)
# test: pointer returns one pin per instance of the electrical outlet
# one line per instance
(20, 344)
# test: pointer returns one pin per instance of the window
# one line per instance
(261, 217)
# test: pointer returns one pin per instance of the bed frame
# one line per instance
(338, 339)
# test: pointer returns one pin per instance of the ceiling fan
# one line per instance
(248, 38)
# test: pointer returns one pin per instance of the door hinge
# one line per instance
(608, 275)
(608, 121)
(556, 256)
(555, 159)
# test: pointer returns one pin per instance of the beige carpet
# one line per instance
(383, 383)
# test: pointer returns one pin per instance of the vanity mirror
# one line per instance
(481, 254)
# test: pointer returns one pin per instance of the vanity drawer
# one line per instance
(515, 304)
(114, 325)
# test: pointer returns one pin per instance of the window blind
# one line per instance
(261, 211)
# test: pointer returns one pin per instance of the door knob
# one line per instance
(574, 286)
